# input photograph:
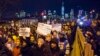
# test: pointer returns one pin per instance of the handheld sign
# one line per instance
(44, 29)
(56, 27)
(25, 32)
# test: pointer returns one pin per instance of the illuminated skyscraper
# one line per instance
(17, 15)
(72, 14)
(22, 13)
(28, 15)
(49, 14)
(97, 15)
(80, 14)
(66, 15)
(86, 15)
(54, 14)
(62, 11)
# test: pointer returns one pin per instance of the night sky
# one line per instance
(39, 5)
(32, 5)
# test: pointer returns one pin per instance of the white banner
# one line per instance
(25, 32)
(44, 29)
(56, 27)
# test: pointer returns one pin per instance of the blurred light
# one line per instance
(90, 12)
(85, 20)
(78, 20)
(83, 17)
(93, 10)
(80, 23)
(42, 14)
(44, 17)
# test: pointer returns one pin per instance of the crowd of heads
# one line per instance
(54, 44)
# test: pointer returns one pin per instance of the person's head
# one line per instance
(68, 23)
(88, 34)
(0, 36)
(40, 42)
(54, 44)
(0, 26)
(17, 42)
(9, 39)
(66, 27)
(48, 38)
(61, 35)
(54, 33)
(72, 23)
(24, 43)
(4, 35)
(69, 32)
(32, 39)
(98, 33)
(93, 24)
(61, 45)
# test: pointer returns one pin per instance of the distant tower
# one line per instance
(22, 14)
(45, 12)
(66, 15)
(62, 11)
(28, 14)
(54, 14)
(86, 15)
(91, 15)
(49, 14)
(72, 14)
(97, 15)
(17, 15)
(80, 14)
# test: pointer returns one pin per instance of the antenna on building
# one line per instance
(62, 11)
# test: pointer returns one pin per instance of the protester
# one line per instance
(55, 51)
(40, 47)
(47, 43)
(16, 48)
(98, 43)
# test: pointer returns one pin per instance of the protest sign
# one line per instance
(25, 32)
(44, 29)
(56, 27)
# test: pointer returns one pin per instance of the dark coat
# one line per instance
(5, 52)
(47, 49)
(29, 49)
(55, 52)
(26, 51)
(39, 51)
(98, 45)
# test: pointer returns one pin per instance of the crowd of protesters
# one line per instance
(54, 44)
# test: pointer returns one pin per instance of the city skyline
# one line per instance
(38, 5)
(32, 6)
